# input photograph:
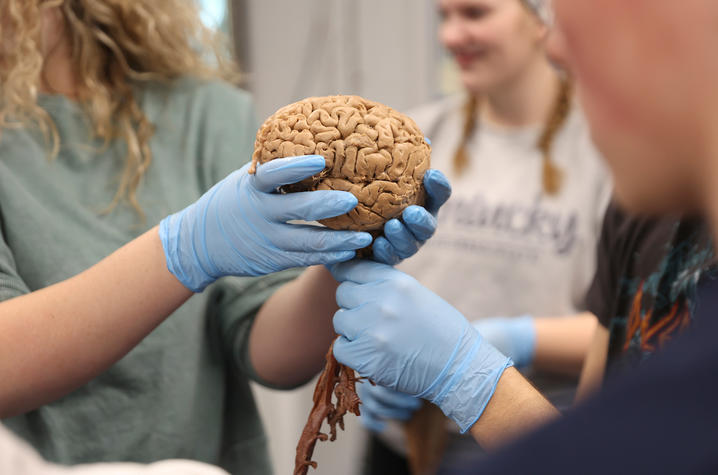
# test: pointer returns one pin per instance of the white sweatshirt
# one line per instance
(18, 458)
(504, 247)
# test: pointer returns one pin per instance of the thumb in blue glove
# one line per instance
(380, 404)
(515, 337)
(402, 336)
(240, 226)
(403, 238)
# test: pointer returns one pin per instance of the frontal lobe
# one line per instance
(371, 150)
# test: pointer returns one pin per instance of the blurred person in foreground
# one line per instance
(653, 109)
(19, 458)
(119, 339)
(515, 250)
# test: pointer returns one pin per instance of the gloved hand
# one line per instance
(514, 337)
(380, 404)
(239, 227)
(402, 239)
(402, 336)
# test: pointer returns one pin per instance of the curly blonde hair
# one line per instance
(116, 46)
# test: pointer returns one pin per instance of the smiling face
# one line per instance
(646, 72)
(493, 41)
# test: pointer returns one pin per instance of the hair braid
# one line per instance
(471, 112)
(552, 175)
(561, 109)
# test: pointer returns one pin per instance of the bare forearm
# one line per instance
(515, 408)
(594, 368)
(293, 330)
(562, 343)
(56, 339)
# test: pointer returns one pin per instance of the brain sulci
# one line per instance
(371, 150)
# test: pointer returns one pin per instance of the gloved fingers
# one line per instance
(286, 171)
(438, 190)
(308, 259)
(351, 295)
(383, 252)
(381, 411)
(308, 205)
(419, 222)
(515, 337)
(402, 241)
(362, 271)
(309, 239)
(342, 349)
(348, 324)
(371, 422)
(395, 399)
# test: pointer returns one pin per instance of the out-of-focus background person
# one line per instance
(19, 458)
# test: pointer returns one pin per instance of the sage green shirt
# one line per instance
(184, 391)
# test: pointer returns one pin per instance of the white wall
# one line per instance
(284, 415)
(384, 50)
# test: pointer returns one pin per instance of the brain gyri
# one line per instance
(371, 150)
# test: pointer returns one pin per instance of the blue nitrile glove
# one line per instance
(379, 404)
(402, 239)
(239, 227)
(514, 337)
(402, 336)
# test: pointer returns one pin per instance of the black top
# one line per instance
(645, 282)
(661, 419)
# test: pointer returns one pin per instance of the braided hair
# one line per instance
(552, 175)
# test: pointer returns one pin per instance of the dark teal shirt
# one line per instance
(183, 392)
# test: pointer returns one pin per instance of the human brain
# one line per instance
(371, 150)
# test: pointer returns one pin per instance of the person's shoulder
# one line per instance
(192, 92)
(629, 234)
(211, 91)
(451, 102)
(618, 218)
(578, 129)
(577, 150)
(428, 114)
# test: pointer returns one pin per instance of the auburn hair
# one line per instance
(116, 46)
(561, 109)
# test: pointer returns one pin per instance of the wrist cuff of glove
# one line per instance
(482, 396)
(170, 237)
(523, 330)
(471, 386)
